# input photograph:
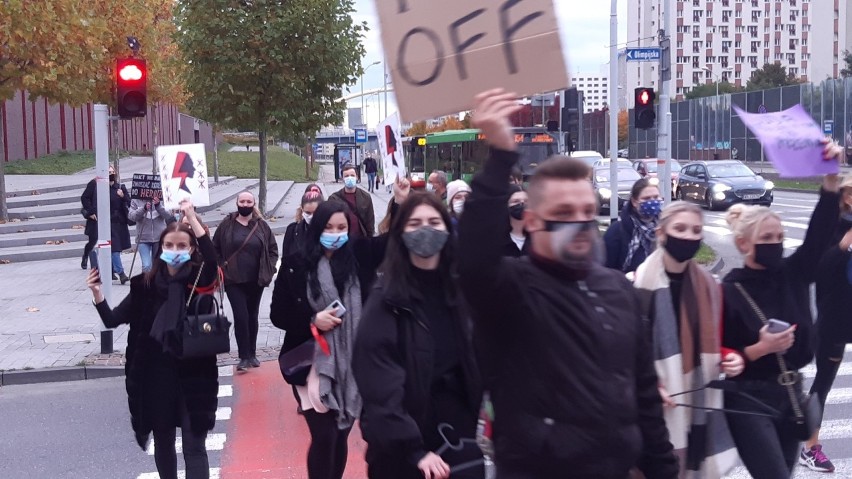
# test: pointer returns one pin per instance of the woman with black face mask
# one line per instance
(517, 244)
(248, 253)
(684, 305)
(834, 330)
(773, 287)
(413, 360)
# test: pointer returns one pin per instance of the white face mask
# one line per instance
(458, 206)
(430, 187)
(307, 217)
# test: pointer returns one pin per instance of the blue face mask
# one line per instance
(650, 208)
(349, 182)
(333, 241)
(175, 258)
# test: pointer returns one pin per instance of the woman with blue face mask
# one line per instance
(632, 238)
(166, 392)
(331, 269)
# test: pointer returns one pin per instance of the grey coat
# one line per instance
(149, 223)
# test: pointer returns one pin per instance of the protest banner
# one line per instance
(792, 140)
(146, 187)
(441, 53)
(391, 148)
(183, 174)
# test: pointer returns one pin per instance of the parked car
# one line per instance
(721, 183)
(648, 167)
(621, 162)
(604, 188)
(588, 157)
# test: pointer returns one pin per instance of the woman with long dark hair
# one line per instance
(632, 238)
(319, 295)
(414, 361)
(297, 230)
(165, 392)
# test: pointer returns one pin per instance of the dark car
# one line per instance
(719, 184)
(603, 187)
(648, 168)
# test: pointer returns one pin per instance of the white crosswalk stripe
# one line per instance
(214, 442)
(214, 474)
(225, 390)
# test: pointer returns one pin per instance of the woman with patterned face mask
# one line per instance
(414, 361)
(164, 391)
(631, 239)
(330, 269)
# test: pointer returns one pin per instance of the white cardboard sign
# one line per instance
(391, 148)
(183, 174)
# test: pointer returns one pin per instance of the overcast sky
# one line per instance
(584, 26)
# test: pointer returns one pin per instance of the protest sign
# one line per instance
(391, 148)
(792, 140)
(441, 53)
(146, 187)
(183, 174)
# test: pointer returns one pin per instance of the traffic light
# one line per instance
(571, 117)
(131, 89)
(644, 113)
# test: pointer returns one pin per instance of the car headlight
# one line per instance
(769, 185)
(719, 188)
(605, 193)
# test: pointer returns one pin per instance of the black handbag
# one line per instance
(205, 334)
(296, 363)
(805, 414)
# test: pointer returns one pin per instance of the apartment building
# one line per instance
(595, 88)
(830, 37)
(725, 40)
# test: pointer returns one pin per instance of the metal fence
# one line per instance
(709, 128)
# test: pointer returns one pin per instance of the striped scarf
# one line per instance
(644, 236)
(687, 357)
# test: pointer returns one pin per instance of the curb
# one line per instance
(793, 190)
(716, 267)
(52, 375)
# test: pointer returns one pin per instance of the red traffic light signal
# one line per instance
(644, 115)
(131, 87)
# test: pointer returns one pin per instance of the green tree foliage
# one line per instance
(847, 60)
(271, 66)
(709, 89)
(772, 75)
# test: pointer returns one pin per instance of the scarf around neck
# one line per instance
(337, 387)
(687, 352)
(166, 327)
(644, 237)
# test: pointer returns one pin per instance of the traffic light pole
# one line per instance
(104, 245)
(664, 119)
(613, 119)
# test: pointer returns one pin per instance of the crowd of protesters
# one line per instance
(493, 321)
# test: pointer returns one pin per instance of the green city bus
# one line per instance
(462, 153)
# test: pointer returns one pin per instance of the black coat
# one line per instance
(370, 165)
(617, 239)
(155, 381)
(119, 208)
(573, 387)
(293, 238)
(227, 248)
(834, 293)
(393, 366)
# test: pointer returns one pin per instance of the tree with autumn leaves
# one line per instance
(275, 67)
(65, 51)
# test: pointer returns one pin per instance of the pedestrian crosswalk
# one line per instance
(216, 439)
(717, 226)
(836, 431)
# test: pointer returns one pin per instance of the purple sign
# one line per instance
(792, 140)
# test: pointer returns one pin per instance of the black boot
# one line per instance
(85, 262)
(123, 277)
(243, 365)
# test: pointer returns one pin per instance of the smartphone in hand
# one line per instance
(777, 326)
(337, 307)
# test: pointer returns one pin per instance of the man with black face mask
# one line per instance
(571, 377)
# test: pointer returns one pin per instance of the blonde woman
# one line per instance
(779, 288)
(684, 306)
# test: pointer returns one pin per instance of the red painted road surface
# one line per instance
(267, 439)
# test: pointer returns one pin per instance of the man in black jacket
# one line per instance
(371, 168)
(572, 379)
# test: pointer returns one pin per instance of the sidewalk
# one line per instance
(47, 319)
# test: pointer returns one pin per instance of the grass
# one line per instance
(62, 163)
(797, 185)
(705, 255)
(283, 165)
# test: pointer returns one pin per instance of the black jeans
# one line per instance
(245, 304)
(767, 450)
(329, 446)
(828, 358)
(90, 245)
(194, 450)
